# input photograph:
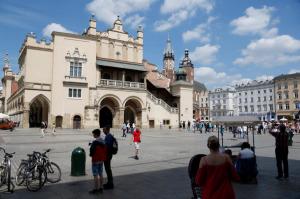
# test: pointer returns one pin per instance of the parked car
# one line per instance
(6, 124)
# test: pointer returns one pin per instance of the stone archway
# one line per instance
(109, 112)
(76, 122)
(58, 121)
(106, 118)
(39, 110)
(133, 111)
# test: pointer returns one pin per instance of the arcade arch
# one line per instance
(39, 110)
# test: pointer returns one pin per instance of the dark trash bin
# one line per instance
(78, 162)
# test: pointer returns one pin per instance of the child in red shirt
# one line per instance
(136, 140)
(98, 154)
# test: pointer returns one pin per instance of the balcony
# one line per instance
(120, 84)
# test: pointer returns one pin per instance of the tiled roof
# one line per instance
(199, 86)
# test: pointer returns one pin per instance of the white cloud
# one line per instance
(199, 33)
(294, 71)
(108, 10)
(256, 21)
(271, 52)
(264, 77)
(134, 21)
(212, 78)
(205, 54)
(180, 11)
(54, 27)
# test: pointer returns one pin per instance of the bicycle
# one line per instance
(50, 171)
(32, 172)
(5, 171)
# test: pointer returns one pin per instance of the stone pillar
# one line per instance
(123, 77)
(121, 115)
(25, 122)
(145, 123)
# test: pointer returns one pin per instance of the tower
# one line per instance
(6, 81)
(168, 69)
(188, 66)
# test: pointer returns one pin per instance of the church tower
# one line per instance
(188, 66)
(169, 61)
(6, 82)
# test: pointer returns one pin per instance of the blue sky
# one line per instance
(229, 41)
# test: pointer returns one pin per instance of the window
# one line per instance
(286, 85)
(265, 107)
(265, 91)
(240, 109)
(296, 94)
(279, 96)
(279, 86)
(251, 92)
(224, 95)
(246, 108)
(286, 95)
(240, 100)
(213, 96)
(74, 93)
(245, 93)
(251, 99)
(224, 106)
(245, 100)
(213, 101)
(297, 105)
(295, 84)
(218, 96)
(206, 104)
(280, 106)
(287, 106)
(201, 105)
(270, 90)
(258, 91)
(166, 122)
(201, 99)
(258, 99)
(258, 108)
(265, 98)
(224, 101)
(271, 107)
(75, 69)
(270, 98)
(252, 108)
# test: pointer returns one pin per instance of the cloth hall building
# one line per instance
(96, 78)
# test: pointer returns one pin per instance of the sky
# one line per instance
(230, 41)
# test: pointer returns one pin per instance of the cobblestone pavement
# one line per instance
(161, 171)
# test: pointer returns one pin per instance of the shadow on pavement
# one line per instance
(172, 184)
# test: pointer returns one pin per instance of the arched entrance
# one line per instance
(129, 115)
(58, 121)
(39, 108)
(133, 111)
(106, 118)
(109, 112)
(76, 122)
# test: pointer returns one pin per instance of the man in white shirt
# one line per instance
(246, 152)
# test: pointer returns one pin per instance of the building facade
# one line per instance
(287, 95)
(200, 98)
(256, 98)
(90, 80)
(222, 102)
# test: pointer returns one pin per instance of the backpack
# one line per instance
(114, 149)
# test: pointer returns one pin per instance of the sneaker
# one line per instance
(94, 191)
(108, 186)
(278, 177)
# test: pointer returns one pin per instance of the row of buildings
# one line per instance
(269, 99)
(102, 79)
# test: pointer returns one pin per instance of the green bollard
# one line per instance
(78, 162)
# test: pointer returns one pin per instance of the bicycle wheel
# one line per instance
(3, 175)
(21, 174)
(36, 179)
(53, 172)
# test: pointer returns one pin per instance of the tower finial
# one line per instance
(6, 60)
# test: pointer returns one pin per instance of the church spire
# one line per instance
(168, 52)
(6, 62)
